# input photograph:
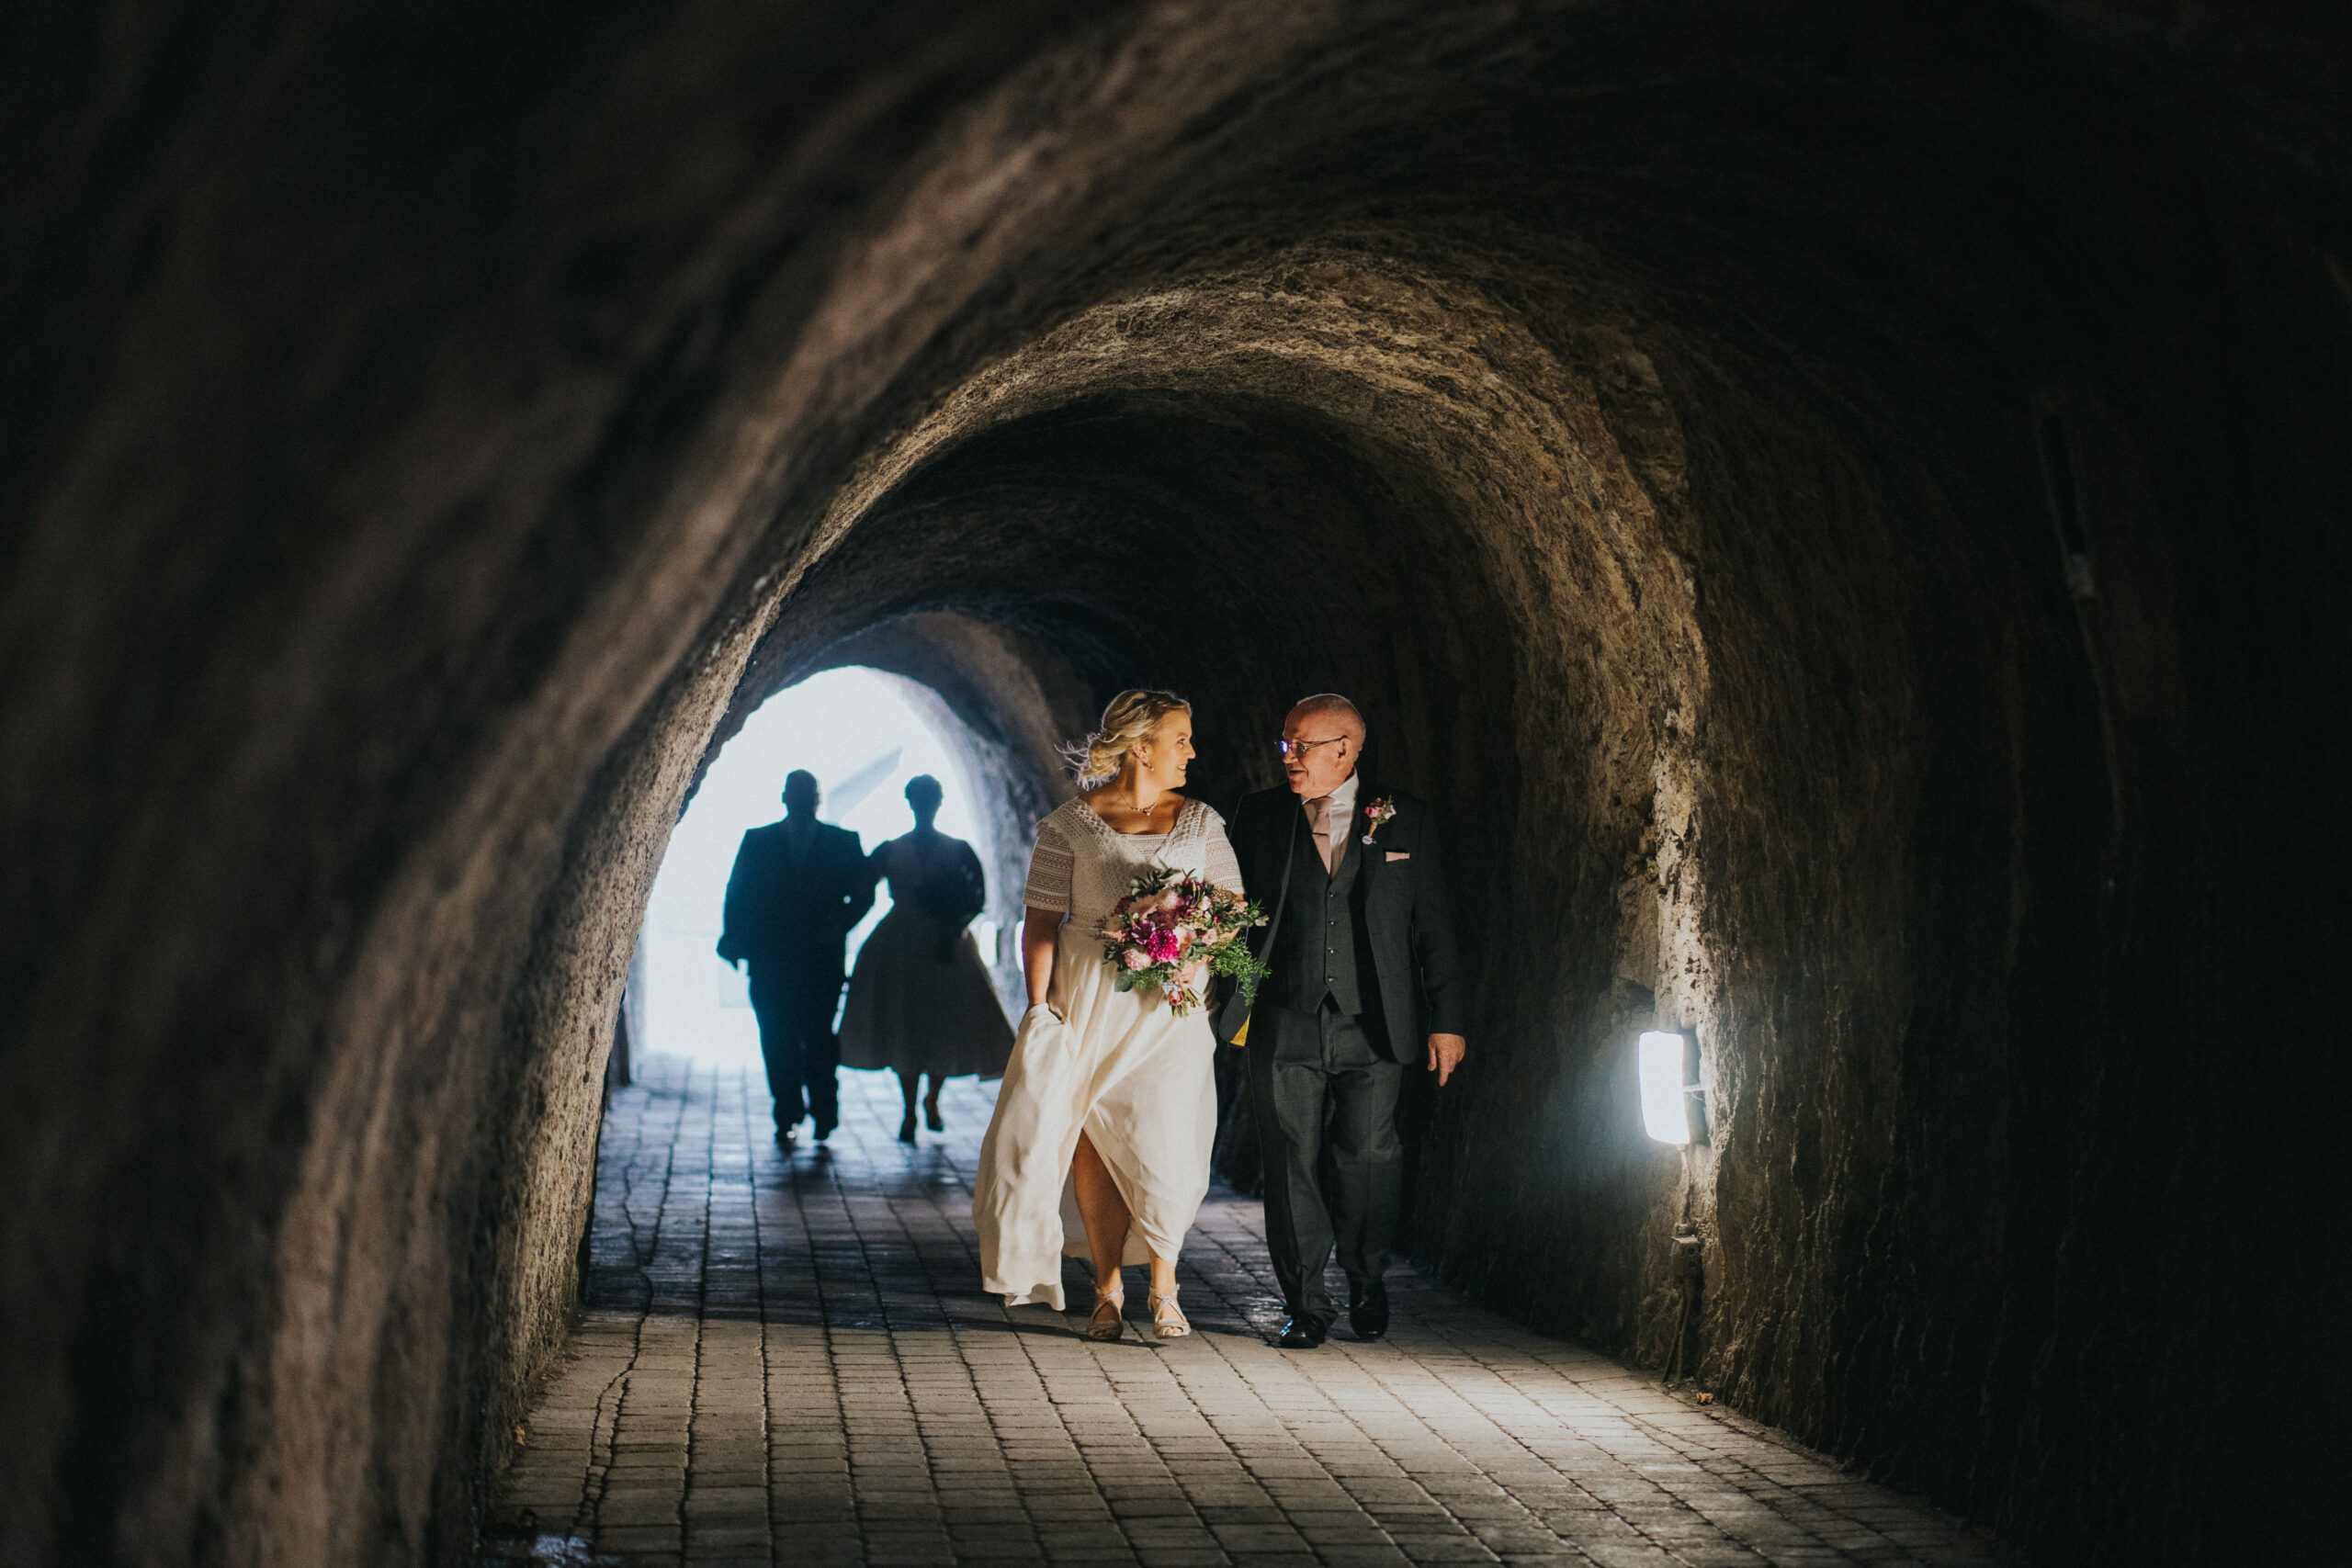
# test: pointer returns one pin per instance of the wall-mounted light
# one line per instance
(1674, 1105)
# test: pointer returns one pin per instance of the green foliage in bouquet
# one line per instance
(1235, 961)
(1170, 921)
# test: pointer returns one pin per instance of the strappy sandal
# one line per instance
(1168, 1319)
(1109, 1320)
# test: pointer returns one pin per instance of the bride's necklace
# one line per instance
(1120, 816)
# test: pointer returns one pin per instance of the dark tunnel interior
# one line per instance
(1845, 506)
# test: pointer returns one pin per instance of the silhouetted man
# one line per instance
(798, 887)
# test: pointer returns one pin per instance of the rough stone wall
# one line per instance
(1841, 505)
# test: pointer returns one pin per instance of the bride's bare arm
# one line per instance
(1037, 930)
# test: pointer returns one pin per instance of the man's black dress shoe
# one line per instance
(1368, 1314)
(1302, 1334)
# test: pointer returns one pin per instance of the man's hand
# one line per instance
(1446, 1052)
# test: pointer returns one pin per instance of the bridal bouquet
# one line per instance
(1170, 927)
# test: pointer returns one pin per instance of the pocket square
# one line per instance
(1400, 855)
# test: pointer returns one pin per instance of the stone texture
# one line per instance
(786, 1359)
(1844, 506)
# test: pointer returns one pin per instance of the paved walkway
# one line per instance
(790, 1361)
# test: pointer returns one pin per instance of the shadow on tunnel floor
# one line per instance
(786, 1358)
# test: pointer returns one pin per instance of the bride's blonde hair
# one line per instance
(1132, 717)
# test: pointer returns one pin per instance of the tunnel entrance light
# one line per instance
(1669, 1109)
(860, 733)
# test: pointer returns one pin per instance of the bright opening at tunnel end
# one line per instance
(857, 731)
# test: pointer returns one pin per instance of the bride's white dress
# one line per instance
(1139, 1081)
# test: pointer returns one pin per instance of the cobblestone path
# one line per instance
(788, 1361)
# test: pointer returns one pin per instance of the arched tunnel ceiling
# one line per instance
(1299, 460)
(1837, 503)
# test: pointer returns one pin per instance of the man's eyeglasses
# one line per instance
(1290, 748)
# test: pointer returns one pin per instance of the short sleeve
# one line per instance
(1224, 867)
(1051, 865)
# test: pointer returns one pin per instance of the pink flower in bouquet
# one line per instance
(1173, 930)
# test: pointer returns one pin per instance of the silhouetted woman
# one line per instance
(921, 1002)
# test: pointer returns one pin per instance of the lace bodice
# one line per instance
(1082, 867)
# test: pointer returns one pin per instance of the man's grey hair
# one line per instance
(1330, 704)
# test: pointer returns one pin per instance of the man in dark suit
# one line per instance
(1366, 978)
(798, 887)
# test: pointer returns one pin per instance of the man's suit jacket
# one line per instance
(789, 912)
(1399, 903)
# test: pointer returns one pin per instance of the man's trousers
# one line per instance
(1324, 1097)
(798, 1043)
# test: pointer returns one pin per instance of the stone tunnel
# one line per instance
(1844, 507)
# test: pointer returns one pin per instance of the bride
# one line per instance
(1109, 1104)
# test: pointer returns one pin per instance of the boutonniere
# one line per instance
(1376, 816)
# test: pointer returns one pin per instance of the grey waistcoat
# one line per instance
(1317, 950)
